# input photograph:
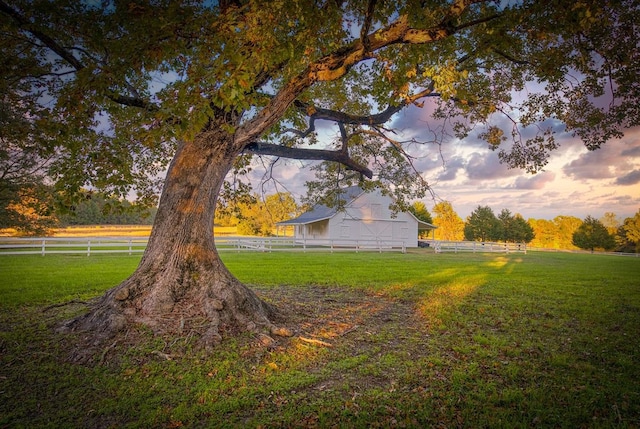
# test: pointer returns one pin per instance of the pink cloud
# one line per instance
(630, 178)
(537, 181)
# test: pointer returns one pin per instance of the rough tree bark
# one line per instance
(181, 282)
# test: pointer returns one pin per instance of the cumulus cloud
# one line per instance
(487, 166)
(631, 203)
(630, 178)
(416, 122)
(587, 166)
(633, 152)
(615, 159)
(534, 182)
(451, 169)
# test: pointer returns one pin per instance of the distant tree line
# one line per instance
(99, 209)
(563, 232)
(35, 209)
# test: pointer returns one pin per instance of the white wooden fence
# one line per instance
(130, 245)
(71, 245)
(309, 245)
(477, 247)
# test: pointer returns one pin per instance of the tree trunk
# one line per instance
(181, 284)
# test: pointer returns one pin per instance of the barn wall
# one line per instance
(369, 218)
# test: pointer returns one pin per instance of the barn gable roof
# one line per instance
(321, 212)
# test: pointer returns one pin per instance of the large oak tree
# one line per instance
(121, 89)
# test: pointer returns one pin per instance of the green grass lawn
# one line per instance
(397, 340)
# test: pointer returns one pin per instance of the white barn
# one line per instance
(365, 218)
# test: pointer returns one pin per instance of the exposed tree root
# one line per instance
(64, 304)
(195, 316)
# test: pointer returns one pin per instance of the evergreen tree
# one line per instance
(593, 234)
(514, 229)
(482, 225)
(94, 208)
(420, 211)
(522, 232)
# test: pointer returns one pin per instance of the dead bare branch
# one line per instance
(260, 148)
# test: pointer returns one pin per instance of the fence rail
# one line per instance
(308, 245)
(95, 245)
(132, 245)
(71, 245)
(477, 247)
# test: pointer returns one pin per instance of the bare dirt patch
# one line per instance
(341, 316)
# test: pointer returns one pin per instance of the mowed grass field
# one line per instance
(382, 340)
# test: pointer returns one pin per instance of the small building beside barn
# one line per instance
(364, 219)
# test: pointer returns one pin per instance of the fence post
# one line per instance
(44, 241)
(129, 247)
(88, 247)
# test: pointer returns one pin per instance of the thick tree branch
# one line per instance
(132, 102)
(337, 64)
(375, 119)
(68, 56)
(344, 137)
(342, 157)
(44, 38)
(342, 119)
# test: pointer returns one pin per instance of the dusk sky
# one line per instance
(576, 182)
